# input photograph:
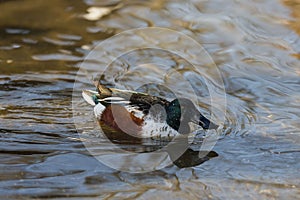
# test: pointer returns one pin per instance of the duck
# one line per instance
(130, 115)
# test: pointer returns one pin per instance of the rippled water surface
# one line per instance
(254, 44)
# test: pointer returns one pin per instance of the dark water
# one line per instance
(255, 45)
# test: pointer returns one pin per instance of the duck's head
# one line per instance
(181, 111)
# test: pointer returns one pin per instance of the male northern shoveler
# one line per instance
(141, 115)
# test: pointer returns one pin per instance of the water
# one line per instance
(255, 45)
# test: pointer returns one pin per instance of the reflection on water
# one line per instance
(191, 158)
(255, 44)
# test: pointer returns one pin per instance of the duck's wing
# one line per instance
(134, 103)
(137, 100)
(93, 98)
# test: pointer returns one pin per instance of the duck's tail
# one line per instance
(102, 90)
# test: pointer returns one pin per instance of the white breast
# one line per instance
(157, 129)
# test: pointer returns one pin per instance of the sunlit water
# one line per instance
(255, 45)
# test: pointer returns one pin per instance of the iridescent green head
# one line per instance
(174, 114)
(182, 111)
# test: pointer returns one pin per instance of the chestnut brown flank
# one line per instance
(118, 118)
